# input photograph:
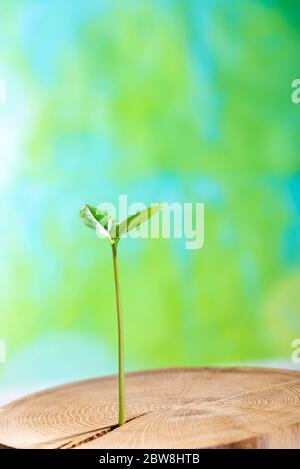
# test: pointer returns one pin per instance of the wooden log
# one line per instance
(167, 408)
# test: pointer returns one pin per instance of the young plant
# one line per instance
(106, 227)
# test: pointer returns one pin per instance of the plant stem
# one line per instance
(120, 340)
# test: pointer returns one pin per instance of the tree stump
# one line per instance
(167, 408)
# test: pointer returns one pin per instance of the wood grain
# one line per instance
(168, 408)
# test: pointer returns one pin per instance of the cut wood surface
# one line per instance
(167, 408)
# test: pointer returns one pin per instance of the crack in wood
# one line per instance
(72, 444)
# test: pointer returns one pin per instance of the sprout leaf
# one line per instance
(134, 221)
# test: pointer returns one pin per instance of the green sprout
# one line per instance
(106, 227)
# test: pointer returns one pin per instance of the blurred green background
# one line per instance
(164, 101)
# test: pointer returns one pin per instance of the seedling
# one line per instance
(106, 227)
